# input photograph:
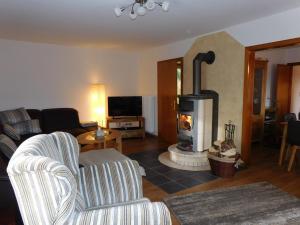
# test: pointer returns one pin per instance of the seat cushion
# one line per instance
(97, 157)
(7, 146)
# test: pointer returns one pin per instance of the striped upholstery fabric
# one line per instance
(136, 214)
(45, 189)
(7, 146)
(110, 183)
(11, 132)
(28, 127)
(14, 116)
(50, 188)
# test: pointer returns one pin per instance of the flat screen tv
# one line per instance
(125, 106)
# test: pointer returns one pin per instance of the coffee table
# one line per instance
(91, 141)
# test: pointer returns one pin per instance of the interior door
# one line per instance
(283, 90)
(169, 77)
(259, 99)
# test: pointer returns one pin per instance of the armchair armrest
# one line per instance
(136, 214)
(110, 183)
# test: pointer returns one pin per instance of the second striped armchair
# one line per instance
(51, 188)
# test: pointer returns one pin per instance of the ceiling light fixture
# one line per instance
(140, 7)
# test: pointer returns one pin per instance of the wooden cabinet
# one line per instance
(128, 126)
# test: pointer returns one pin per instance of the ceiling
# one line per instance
(93, 23)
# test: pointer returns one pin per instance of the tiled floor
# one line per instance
(169, 179)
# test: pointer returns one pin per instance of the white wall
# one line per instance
(295, 101)
(44, 76)
(277, 27)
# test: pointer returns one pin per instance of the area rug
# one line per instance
(259, 204)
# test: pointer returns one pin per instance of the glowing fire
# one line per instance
(185, 122)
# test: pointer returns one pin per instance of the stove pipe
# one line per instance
(209, 58)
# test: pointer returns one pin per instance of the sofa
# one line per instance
(50, 120)
(57, 119)
(51, 189)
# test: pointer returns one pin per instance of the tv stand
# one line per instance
(129, 127)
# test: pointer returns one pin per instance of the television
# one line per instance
(122, 106)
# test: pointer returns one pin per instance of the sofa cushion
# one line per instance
(7, 146)
(35, 114)
(59, 119)
(14, 116)
(11, 132)
(28, 127)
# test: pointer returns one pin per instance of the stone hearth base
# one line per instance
(193, 161)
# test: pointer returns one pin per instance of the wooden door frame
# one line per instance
(248, 90)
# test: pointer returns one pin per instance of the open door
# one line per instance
(259, 99)
(283, 90)
(169, 86)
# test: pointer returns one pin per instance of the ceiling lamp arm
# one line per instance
(141, 10)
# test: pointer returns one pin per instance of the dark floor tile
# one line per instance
(158, 180)
(151, 154)
(205, 177)
(200, 174)
(151, 164)
(175, 174)
(150, 173)
(162, 169)
(188, 182)
(172, 187)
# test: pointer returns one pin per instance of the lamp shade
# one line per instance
(165, 6)
(98, 104)
(118, 12)
(150, 4)
(132, 15)
(141, 11)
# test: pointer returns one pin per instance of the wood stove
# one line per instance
(192, 112)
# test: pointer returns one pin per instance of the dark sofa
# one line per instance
(51, 120)
(57, 119)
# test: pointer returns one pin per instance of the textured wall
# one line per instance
(226, 76)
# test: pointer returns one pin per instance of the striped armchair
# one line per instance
(51, 188)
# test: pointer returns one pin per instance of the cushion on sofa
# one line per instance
(35, 114)
(28, 127)
(7, 146)
(14, 116)
(59, 119)
(11, 132)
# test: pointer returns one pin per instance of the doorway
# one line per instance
(276, 106)
(169, 87)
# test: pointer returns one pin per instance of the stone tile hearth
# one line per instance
(169, 179)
